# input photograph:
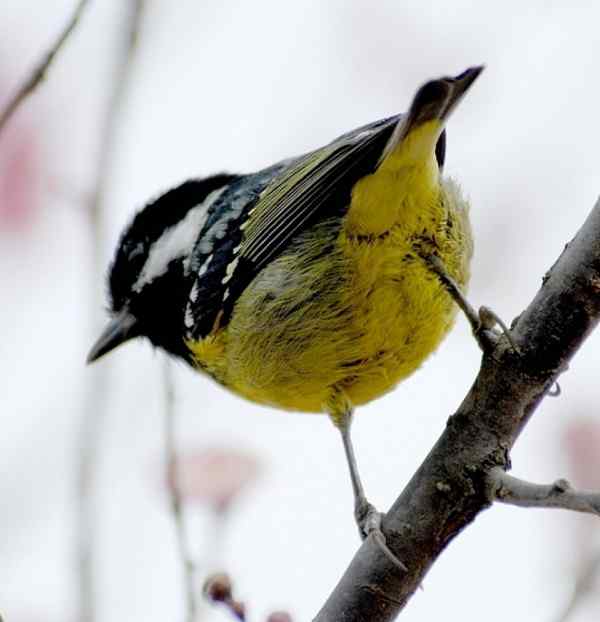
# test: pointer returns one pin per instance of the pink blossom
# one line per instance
(20, 158)
(582, 441)
(216, 476)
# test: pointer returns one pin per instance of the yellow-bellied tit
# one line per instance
(306, 286)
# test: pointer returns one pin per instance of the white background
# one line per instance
(236, 86)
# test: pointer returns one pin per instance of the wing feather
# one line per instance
(318, 183)
(258, 215)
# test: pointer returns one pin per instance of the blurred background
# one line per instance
(232, 85)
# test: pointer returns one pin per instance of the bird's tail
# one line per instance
(417, 133)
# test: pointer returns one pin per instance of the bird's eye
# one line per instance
(135, 252)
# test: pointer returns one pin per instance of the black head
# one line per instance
(148, 279)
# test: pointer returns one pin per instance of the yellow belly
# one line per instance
(344, 309)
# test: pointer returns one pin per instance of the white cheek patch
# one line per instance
(176, 241)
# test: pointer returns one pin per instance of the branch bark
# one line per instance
(560, 494)
(452, 485)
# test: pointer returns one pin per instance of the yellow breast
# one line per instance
(359, 317)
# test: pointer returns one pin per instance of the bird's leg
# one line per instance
(483, 321)
(367, 517)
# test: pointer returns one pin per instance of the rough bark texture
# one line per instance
(452, 485)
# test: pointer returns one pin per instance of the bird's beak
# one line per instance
(430, 108)
(119, 330)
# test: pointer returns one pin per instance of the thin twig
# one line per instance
(39, 72)
(560, 494)
(175, 496)
(88, 457)
(94, 410)
(121, 82)
(218, 589)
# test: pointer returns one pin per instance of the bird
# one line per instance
(314, 285)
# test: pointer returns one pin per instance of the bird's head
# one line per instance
(149, 278)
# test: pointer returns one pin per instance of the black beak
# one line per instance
(119, 330)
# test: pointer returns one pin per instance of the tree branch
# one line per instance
(175, 496)
(218, 589)
(39, 72)
(93, 413)
(560, 494)
(451, 487)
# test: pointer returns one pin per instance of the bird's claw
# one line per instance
(488, 320)
(483, 321)
(369, 525)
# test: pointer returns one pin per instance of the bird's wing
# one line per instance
(258, 216)
(317, 184)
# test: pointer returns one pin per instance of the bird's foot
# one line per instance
(487, 321)
(369, 525)
(483, 322)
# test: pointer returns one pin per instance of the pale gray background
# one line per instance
(237, 85)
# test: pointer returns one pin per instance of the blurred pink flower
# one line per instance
(582, 442)
(20, 157)
(216, 476)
